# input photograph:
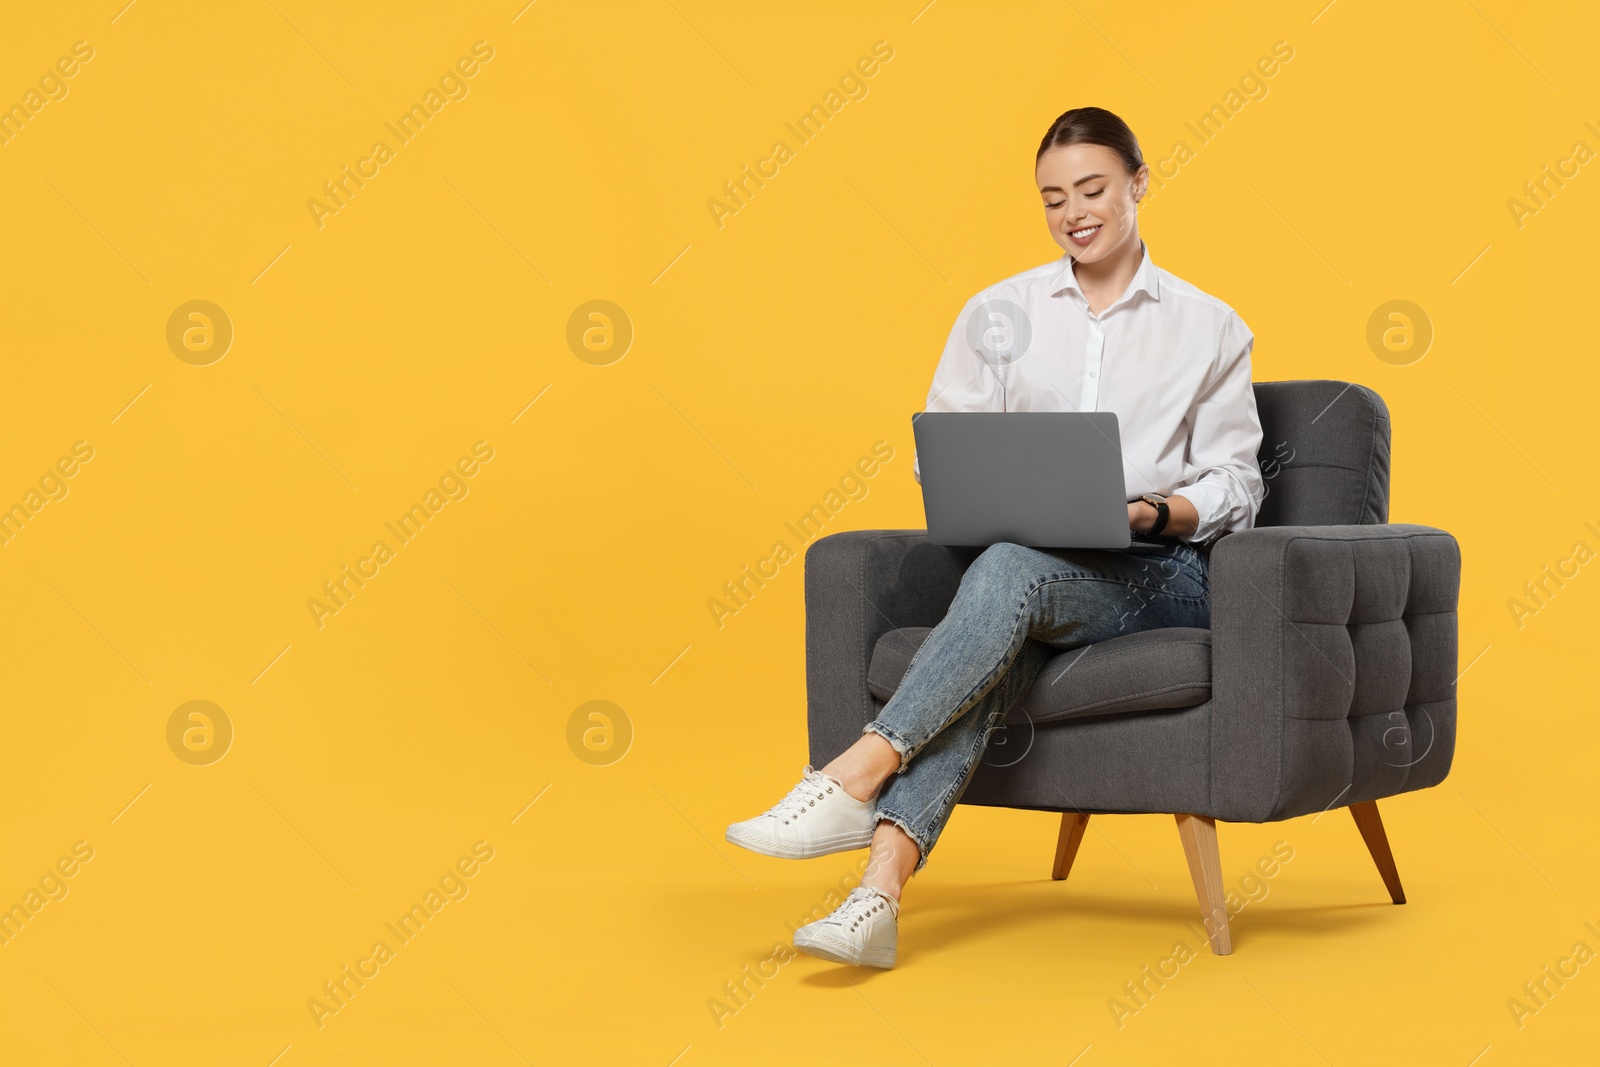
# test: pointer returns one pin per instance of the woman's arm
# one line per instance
(1226, 489)
(1182, 517)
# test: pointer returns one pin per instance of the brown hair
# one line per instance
(1094, 125)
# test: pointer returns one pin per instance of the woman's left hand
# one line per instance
(1182, 518)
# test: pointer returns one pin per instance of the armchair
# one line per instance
(1327, 676)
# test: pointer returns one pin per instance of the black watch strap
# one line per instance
(1162, 514)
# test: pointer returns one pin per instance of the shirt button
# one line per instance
(1093, 373)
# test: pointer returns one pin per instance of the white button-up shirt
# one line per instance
(1171, 361)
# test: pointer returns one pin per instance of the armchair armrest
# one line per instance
(1334, 659)
(860, 584)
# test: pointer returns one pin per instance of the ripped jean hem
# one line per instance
(897, 742)
(884, 814)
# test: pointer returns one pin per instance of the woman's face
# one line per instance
(1086, 187)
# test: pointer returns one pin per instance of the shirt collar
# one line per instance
(1147, 278)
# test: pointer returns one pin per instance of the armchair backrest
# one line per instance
(1324, 453)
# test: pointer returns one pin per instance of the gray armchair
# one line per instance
(1327, 676)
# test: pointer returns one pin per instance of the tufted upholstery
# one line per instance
(1334, 662)
(1332, 646)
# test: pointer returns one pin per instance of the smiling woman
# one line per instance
(1101, 329)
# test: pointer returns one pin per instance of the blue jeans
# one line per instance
(1016, 608)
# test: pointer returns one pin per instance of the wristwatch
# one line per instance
(1159, 502)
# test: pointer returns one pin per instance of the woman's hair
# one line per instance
(1094, 125)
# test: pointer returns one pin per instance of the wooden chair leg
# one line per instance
(1073, 823)
(1199, 834)
(1371, 827)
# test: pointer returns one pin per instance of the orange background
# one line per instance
(447, 701)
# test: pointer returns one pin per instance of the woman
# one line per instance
(1110, 331)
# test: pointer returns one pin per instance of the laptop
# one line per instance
(1044, 479)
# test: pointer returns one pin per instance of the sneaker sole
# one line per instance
(871, 957)
(794, 850)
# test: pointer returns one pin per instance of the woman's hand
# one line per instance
(1182, 518)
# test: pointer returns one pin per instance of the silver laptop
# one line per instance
(1045, 479)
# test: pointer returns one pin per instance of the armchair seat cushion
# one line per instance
(1151, 670)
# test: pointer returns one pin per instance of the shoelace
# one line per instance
(859, 906)
(803, 797)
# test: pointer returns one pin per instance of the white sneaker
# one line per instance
(862, 931)
(817, 818)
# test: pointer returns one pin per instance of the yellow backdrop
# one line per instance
(393, 393)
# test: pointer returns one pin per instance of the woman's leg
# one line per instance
(1016, 607)
(895, 855)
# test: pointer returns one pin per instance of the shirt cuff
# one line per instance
(1211, 502)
